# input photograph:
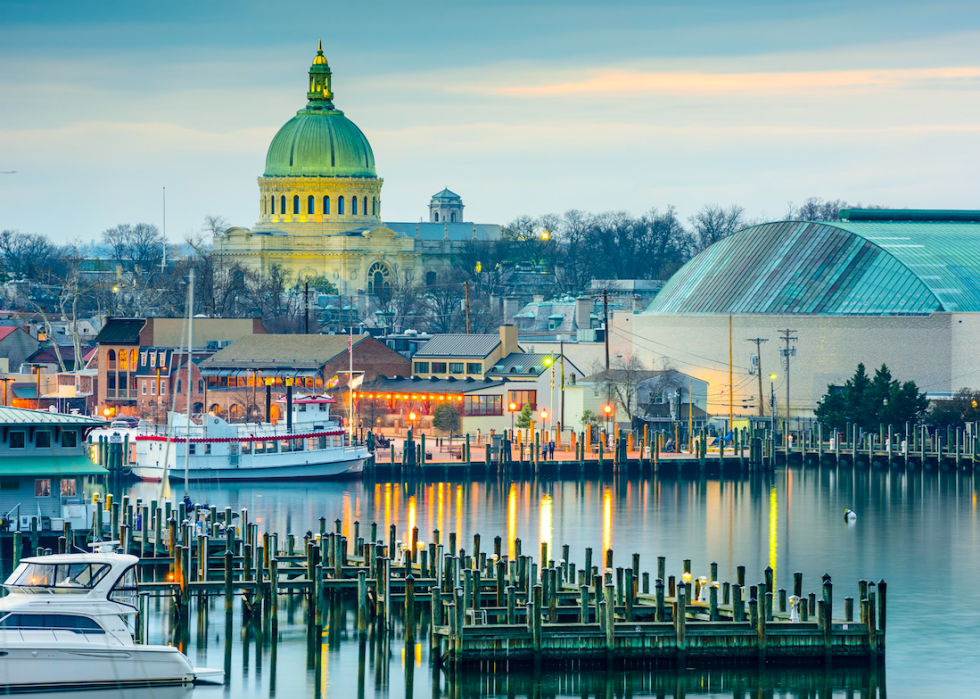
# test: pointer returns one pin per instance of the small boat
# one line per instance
(308, 446)
(67, 623)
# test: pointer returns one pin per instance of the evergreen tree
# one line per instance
(868, 402)
(525, 416)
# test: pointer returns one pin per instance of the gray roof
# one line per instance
(437, 231)
(415, 384)
(519, 363)
(459, 346)
(20, 416)
(445, 194)
(280, 351)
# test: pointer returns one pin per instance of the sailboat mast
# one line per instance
(190, 346)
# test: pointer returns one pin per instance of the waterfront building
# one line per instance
(235, 378)
(900, 288)
(132, 351)
(320, 208)
(47, 474)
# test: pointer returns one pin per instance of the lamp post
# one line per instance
(607, 410)
(513, 408)
(412, 417)
(550, 361)
(772, 404)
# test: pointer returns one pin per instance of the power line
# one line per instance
(758, 367)
(787, 337)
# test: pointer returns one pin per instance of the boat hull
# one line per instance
(40, 666)
(348, 468)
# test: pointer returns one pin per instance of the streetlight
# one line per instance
(607, 409)
(513, 408)
(772, 405)
(411, 419)
(545, 235)
(544, 420)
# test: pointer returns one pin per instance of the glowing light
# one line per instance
(512, 406)
(412, 416)
(546, 508)
(606, 523)
(544, 414)
(545, 235)
(607, 409)
(411, 514)
(773, 524)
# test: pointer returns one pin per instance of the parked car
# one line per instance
(124, 423)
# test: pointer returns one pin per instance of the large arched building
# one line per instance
(900, 288)
(320, 207)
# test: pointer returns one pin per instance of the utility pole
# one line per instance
(306, 296)
(467, 286)
(163, 263)
(787, 337)
(758, 357)
(561, 346)
(731, 391)
(605, 324)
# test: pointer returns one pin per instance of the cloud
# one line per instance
(611, 81)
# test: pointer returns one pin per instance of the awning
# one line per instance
(66, 466)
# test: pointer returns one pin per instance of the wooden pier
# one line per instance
(483, 608)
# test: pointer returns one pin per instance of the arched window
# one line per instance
(365, 206)
(340, 205)
(326, 205)
(378, 277)
(436, 214)
(265, 206)
(111, 359)
(453, 218)
(132, 358)
(309, 204)
(282, 204)
(272, 204)
(374, 206)
(353, 206)
(295, 203)
(123, 360)
(430, 278)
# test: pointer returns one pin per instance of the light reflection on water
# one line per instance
(917, 532)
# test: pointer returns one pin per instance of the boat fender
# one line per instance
(849, 516)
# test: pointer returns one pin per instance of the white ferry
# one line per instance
(311, 447)
(66, 623)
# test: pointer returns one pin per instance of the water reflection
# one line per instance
(913, 530)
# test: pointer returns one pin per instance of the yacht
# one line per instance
(305, 444)
(66, 623)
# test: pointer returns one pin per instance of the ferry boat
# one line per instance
(307, 445)
(66, 624)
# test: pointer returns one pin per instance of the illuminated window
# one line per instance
(340, 205)
(483, 405)
(42, 488)
(68, 488)
(522, 398)
(326, 205)
(309, 204)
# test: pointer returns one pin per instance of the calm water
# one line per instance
(920, 533)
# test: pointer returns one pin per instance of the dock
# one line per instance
(479, 608)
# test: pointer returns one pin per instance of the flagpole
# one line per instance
(350, 381)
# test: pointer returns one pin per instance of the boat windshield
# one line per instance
(58, 576)
(61, 622)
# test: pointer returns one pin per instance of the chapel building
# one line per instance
(320, 207)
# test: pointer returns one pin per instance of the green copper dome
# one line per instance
(320, 141)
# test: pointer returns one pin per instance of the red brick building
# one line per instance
(237, 376)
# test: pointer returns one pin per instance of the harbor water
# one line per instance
(918, 531)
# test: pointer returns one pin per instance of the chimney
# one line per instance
(583, 311)
(638, 303)
(512, 304)
(538, 298)
(508, 340)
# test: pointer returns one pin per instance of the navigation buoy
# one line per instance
(849, 516)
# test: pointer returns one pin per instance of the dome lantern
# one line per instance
(320, 94)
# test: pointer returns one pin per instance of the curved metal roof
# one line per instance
(832, 268)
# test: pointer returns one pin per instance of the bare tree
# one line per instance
(712, 223)
(622, 382)
(28, 256)
(447, 298)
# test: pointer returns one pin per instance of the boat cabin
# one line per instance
(47, 475)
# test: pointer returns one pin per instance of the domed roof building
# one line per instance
(806, 301)
(320, 207)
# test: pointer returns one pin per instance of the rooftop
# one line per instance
(280, 351)
(20, 416)
(120, 331)
(459, 346)
(417, 385)
(521, 363)
(871, 264)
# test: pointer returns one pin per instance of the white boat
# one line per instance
(66, 624)
(311, 447)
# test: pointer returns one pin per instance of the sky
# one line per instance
(520, 107)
